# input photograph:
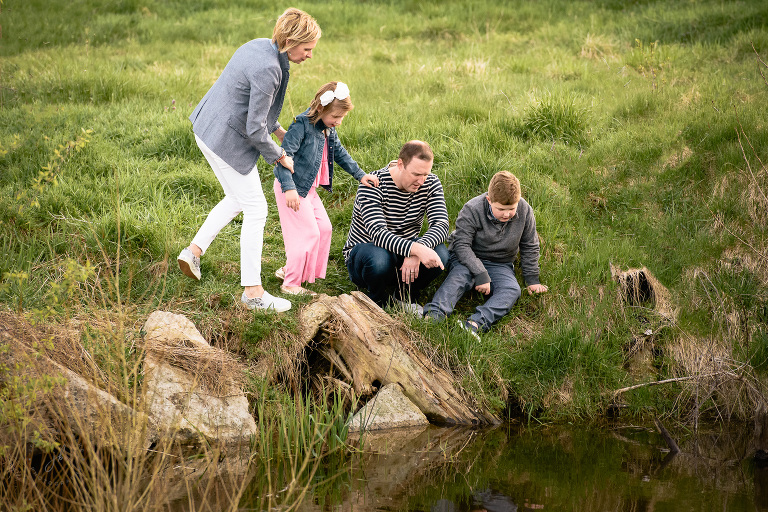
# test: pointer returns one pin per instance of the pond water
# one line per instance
(545, 468)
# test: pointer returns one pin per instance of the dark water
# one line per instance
(546, 468)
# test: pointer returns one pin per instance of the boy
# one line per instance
(490, 230)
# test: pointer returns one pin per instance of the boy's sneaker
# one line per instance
(410, 307)
(267, 302)
(470, 328)
(189, 264)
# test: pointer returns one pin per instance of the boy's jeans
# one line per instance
(378, 270)
(504, 293)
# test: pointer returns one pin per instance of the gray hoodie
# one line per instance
(479, 236)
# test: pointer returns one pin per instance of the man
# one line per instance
(384, 252)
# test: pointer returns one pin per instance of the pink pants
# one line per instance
(307, 238)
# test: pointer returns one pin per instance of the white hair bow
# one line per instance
(341, 93)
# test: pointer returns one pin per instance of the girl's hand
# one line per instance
(537, 288)
(287, 162)
(292, 200)
(369, 180)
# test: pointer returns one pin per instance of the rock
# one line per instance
(179, 405)
(76, 405)
(390, 408)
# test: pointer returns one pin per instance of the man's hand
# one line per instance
(410, 269)
(428, 257)
(292, 200)
(484, 288)
(369, 180)
(537, 288)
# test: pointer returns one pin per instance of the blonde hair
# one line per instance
(504, 188)
(296, 25)
(316, 109)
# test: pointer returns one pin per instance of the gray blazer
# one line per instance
(239, 112)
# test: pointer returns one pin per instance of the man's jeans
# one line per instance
(504, 293)
(378, 271)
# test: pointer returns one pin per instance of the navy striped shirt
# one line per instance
(392, 218)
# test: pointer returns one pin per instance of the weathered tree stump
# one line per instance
(365, 343)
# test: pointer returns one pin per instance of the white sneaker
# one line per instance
(266, 301)
(410, 307)
(189, 264)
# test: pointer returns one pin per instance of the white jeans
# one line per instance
(242, 193)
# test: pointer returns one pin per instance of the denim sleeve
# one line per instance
(342, 157)
(291, 144)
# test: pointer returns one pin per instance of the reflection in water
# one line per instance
(549, 468)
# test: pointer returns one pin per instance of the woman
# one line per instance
(232, 126)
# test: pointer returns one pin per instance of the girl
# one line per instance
(232, 126)
(314, 146)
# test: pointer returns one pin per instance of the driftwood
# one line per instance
(362, 341)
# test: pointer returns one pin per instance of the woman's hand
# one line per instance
(280, 134)
(369, 180)
(292, 200)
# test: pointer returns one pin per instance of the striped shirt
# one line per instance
(392, 218)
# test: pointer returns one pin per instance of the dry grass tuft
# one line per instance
(63, 344)
(216, 370)
(720, 385)
(560, 396)
(598, 47)
(282, 357)
(640, 286)
(678, 159)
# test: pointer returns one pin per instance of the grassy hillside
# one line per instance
(638, 131)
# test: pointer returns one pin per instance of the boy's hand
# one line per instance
(369, 180)
(292, 200)
(537, 288)
(484, 288)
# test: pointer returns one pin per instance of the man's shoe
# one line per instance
(266, 302)
(470, 328)
(189, 264)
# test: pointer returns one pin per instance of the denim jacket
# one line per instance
(304, 143)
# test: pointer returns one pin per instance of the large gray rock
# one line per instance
(390, 408)
(178, 406)
(72, 405)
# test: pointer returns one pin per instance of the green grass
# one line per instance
(621, 120)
